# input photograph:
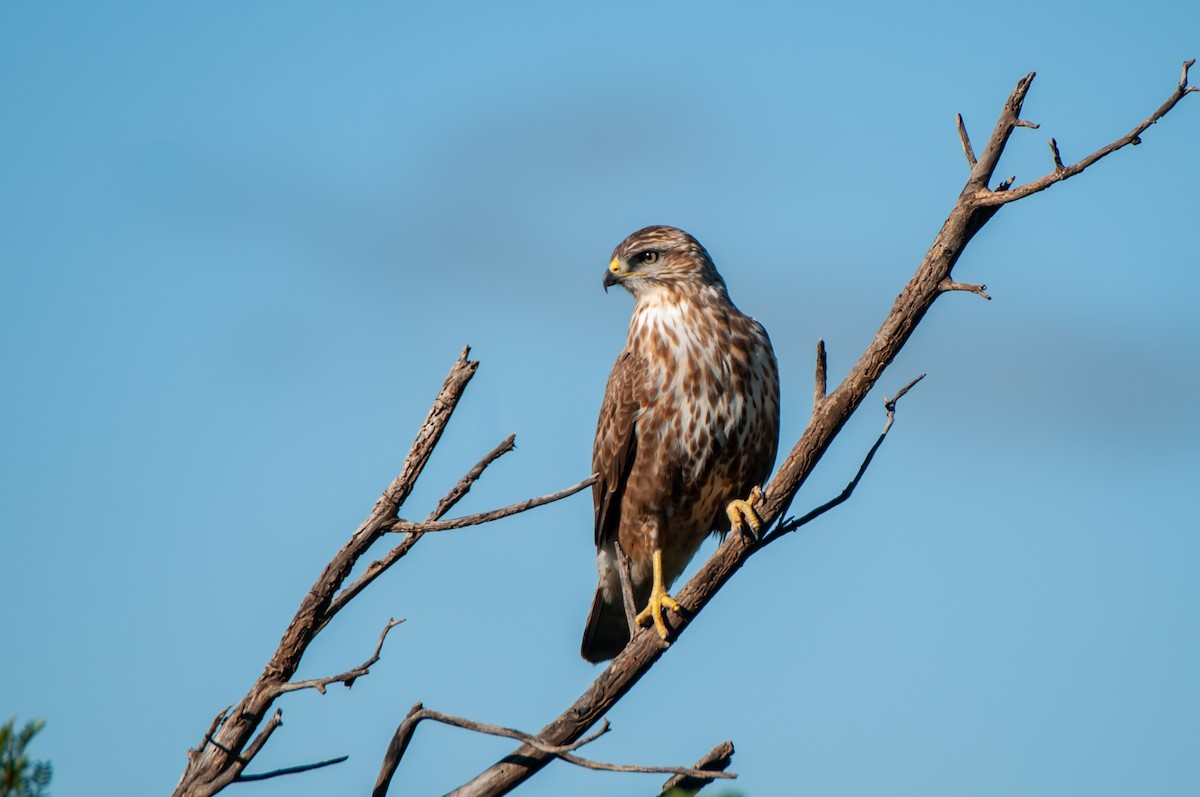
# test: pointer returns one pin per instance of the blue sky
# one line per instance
(241, 245)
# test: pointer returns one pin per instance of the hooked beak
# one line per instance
(612, 275)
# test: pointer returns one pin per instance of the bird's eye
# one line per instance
(648, 258)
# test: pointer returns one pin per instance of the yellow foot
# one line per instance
(741, 513)
(653, 613)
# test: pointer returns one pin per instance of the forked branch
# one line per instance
(975, 206)
(349, 676)
(791, 524)
(1061, 172)
(402, 525)
(238, 733)
(404, 734)
(717, 759)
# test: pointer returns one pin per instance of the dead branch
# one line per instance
(381, 565)
(716, 760)
(965, 139)
(950, 285)
(349, 676)
(791, 524)
(418, 712)
(626, 588)
(1061, 172)
(1058, 164)
(975, 206)
(235, 736)
(275, 773)
(819, 379)
(425, 527)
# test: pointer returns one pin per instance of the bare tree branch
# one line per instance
(208, 735)
(717, 759)
(458, 491)
(381, 565)
(417, 713)
(1061, 172)
(791, 525)
(349, 676)
(228, 746)
(626, 578)
(1058, 164)
(214, 766)
(275, 773)
(819, 379)
(965, 139)
(486, 517)
(975, 206)
(239, 733)
(950, 285)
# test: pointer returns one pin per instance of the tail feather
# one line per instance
(607, 632)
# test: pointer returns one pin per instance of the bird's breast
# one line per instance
(708, 381)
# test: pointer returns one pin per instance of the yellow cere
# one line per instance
(615, 266)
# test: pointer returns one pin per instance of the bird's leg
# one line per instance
(741, 513)
(653, 613)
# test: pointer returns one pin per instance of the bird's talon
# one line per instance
(653, 613)
(742, 513)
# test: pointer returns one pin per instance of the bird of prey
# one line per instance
(688, 428)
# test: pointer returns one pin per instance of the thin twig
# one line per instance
(208, 735)
(819, 379)
(470, 477)
(1058, 164)
(418, 713)
(1023, 123)
(1133, 138)
(395, 750)
(349, 676)
(627, 598)
(965, 139)
(717, 759)
(274, 773)
(970, 287)
(380, 565)
(425, 527)
(792, 524)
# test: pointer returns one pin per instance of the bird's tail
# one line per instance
(607, 632)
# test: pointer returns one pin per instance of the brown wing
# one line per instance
(616, 442)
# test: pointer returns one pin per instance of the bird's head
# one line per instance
(659, 258)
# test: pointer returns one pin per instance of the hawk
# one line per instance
(688, 426)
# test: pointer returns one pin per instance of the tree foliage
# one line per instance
(20, 776)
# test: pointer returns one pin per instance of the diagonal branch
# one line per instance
(972, 210)
(275, 773)
(486, 517)
(626, 579)
(1133, 137)
(788, 526)
(212, 767)
(417, 713)
(966, 140)
(717, 759)
(381, 565)
(950, 285)
(349, 676)
(820, 387)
